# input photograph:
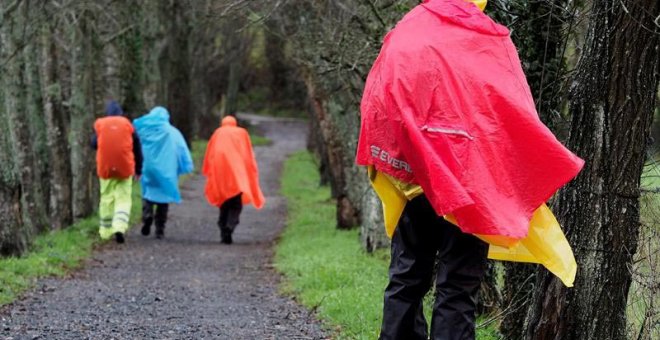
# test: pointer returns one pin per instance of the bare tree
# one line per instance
(612, 102)
(60, 209)
(334, 43)
(20, 143)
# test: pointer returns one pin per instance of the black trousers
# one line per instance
(230, 211)
(420, 239)
(159, 217)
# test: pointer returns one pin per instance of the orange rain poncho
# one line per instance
(230, 167)
(114, 156)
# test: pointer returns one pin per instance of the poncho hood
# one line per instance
(158, 116)
(229, 121)
(166, 156)
(465, 13)
(446, 106)
(112, 108)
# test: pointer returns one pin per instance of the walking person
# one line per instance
(232, 177)
(166, 158)
(458, 155)
(118, 158)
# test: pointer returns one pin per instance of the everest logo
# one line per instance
(384, 156)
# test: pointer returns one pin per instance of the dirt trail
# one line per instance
(187, 286)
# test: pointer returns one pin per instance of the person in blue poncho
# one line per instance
(166, 157)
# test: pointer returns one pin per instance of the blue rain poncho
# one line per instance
(166, 156)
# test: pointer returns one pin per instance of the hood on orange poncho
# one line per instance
(230, 167)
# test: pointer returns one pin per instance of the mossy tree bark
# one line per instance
(84, 108)
(20, 202)
(612, 102)
(179, 68)
(60, 200)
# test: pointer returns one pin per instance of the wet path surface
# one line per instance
(187, 286)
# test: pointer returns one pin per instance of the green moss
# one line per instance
(198, 151)
(258, 140)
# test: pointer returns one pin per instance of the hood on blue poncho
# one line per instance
(166, 156)
(112, 108)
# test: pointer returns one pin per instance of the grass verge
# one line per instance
(326, 269)
(643, 300)
(258, 140)
(198, 151)
(55, 253)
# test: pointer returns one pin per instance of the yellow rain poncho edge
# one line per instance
(545, 243)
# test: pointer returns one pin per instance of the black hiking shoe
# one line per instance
(146, 230)
(226, 238)
(160, 233)
(119, 237)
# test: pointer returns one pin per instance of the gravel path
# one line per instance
(187, 286)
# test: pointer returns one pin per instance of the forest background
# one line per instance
(592, 66)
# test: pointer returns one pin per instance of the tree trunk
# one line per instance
(372, 233)
(329, 160)
(519, 284)
(82, 117)
(612, 102)
(233, 83)
(316, 145)
(490, 295)
(178, 88)
(14, 238)
(131, 67)
(347, 214)
(18, 140)
(154, 53)
(39, 186)
(60, 167)
(278, 69)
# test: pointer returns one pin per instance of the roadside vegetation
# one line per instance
(55, 253)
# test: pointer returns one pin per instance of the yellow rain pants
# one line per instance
(545, 242)
(114, 206)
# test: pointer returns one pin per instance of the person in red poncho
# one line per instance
(449, 121)
(232, 175)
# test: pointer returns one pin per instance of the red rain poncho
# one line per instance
(447, 106)
(230, 167)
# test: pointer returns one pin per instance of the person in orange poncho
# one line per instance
(118, 158)
(232, 175)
